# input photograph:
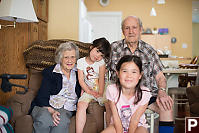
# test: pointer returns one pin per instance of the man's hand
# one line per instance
(165, 100)
(165, 115)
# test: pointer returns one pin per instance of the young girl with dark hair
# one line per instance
(91, 75)
(127, 99)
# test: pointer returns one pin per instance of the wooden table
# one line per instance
(172, 74)
(174, 62)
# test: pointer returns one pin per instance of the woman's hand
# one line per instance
(55, 115)
(56, 118)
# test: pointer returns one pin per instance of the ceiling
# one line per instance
(195, 11)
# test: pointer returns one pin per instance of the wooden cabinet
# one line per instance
(41, 9)
(33, 32)
(37, 31)
(161, 42)
(13, 42)
(43, 30)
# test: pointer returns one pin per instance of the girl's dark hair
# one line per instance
(138, 62)
(103, 45)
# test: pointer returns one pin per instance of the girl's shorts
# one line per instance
(88, 98)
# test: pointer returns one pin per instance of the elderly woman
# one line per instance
(56, 100)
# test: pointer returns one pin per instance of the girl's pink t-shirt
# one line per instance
(126, 107)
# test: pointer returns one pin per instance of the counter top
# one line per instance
(175, 70)
(175, 58)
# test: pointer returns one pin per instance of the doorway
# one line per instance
(105, 24)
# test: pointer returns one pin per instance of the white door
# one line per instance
(85, 26)
(106, 24)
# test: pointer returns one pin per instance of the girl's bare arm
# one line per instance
(102, 70)
(83, 84)
(116, 119)
(135, 118)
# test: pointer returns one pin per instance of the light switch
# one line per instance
(184, 45)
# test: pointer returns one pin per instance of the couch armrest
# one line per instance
(193, 94)
(24, 124)
(20, 104)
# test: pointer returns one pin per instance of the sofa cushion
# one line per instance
(24, 124)
(35, 80)
(90, 126)
(98, 111)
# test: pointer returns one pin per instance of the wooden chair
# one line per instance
(184, 79)
(179, 96)
(193, 98)
(192, 65)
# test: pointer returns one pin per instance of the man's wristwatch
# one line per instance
(162, 89)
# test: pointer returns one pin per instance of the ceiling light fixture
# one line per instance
(153, 12)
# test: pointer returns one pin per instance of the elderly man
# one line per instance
(153, 77)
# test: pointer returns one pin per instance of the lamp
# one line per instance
(153, 12)
(17, 11)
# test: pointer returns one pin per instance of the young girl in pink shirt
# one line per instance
(127, 99)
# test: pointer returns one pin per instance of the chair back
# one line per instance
(197, 78)
(194, 60)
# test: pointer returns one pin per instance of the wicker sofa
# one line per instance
(39, 55)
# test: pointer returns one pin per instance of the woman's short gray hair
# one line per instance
(67, 46)
(138, 19)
